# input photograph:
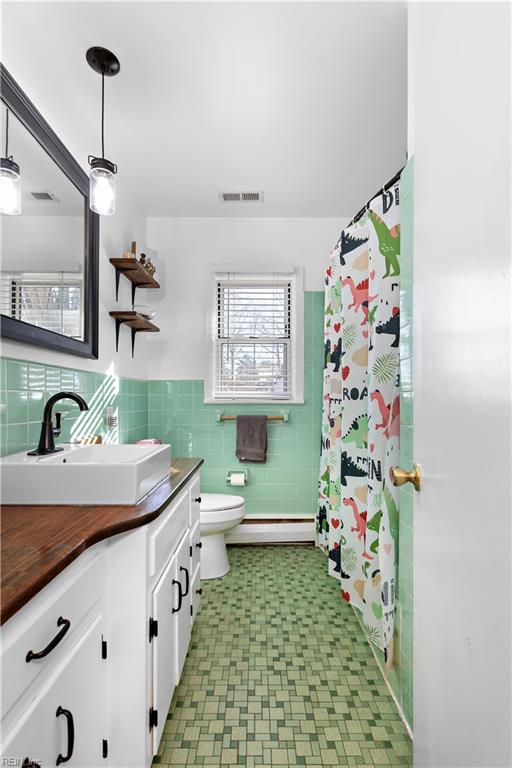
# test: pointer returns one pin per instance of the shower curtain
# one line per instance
(330, 460)
(357, 524)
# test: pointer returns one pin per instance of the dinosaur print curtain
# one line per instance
(330, 461)
(357, 522)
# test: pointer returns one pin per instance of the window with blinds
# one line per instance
(253, 346)
(51, 301)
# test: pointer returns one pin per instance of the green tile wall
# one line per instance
(25, 386)
(404, 650)
(287, 484)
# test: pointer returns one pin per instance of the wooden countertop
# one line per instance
(39, 541)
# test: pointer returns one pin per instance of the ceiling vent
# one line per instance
(43, 196)
(241, 197)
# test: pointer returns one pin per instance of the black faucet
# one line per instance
(48, 431)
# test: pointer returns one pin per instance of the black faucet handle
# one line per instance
(48, 431)
(56, 428)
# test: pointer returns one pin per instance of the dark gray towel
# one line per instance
(251, 438)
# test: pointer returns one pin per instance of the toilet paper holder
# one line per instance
(243, 472)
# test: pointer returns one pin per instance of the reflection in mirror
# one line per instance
(43, 249)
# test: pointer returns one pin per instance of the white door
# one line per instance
(460, 104)
(68, 718)
(165, 601)
(171, 609)
(183, 616)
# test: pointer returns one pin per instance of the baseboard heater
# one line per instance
(273, 530)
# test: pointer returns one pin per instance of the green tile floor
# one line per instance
(279, 674)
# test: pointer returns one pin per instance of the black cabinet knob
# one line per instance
(198, 500)
(199, 544)
(199, 591)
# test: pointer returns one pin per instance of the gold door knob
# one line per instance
(400, 476)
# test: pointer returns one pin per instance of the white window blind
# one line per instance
(253, 346)
(51, 301)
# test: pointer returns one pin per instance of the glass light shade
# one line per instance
(102, 191)
(10, 188)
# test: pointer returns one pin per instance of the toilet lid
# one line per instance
(213, 502)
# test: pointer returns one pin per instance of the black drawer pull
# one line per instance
(71, 734)
(65, 624)
(199, 591)
(199, 544)
(198, 500)
(180, 595)
(187, 580)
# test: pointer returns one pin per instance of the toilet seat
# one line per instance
(216, 502)
(218, 513)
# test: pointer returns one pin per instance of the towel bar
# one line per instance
(285, 417)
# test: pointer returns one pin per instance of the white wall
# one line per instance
(186, 249)
(460, 102)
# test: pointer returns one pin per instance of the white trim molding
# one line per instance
(274, 531)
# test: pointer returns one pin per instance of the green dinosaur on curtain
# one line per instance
(358, 432)
(336, 296)
(335, 487)
(374, 525)
(392, 515)
(389, 243)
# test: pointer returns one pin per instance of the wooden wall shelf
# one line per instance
(135, 273)
(136, 322)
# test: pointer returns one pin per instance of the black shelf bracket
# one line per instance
(118, 325)
(118, 275)
(134, 285)
(134, 331)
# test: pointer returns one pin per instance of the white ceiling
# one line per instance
(306, 101)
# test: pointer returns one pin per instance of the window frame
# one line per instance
(258, 275)
(21, 280)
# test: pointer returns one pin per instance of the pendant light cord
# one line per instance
(103, 113)
(6, 132)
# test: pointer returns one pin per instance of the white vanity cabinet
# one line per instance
(66, 722)
(54, 680)
(110, 636)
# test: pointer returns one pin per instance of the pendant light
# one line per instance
(102, 188)
(10, 185)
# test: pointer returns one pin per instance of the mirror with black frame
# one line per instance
(49, 249)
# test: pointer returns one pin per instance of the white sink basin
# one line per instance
(85, 474)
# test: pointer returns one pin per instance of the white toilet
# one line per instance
(218, 513)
